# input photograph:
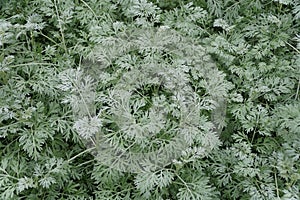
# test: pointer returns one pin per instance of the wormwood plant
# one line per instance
(144, 104)
(140, 99)
(155, 95)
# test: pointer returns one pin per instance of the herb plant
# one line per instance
(149, 99)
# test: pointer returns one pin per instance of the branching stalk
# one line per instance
(60, 27)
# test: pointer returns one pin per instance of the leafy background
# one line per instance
(255, 43)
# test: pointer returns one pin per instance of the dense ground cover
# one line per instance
(204, 96)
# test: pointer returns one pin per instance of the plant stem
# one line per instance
(60, 27)
(83, 152)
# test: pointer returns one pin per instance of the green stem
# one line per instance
(87, 5)
(83, 152)
(60, 27)
(276, 185)
(7, 175)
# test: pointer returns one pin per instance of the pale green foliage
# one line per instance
(197, 190)
(186, 19)
(148, 181)
(199, 99)
(147, 102)
(288, 117)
